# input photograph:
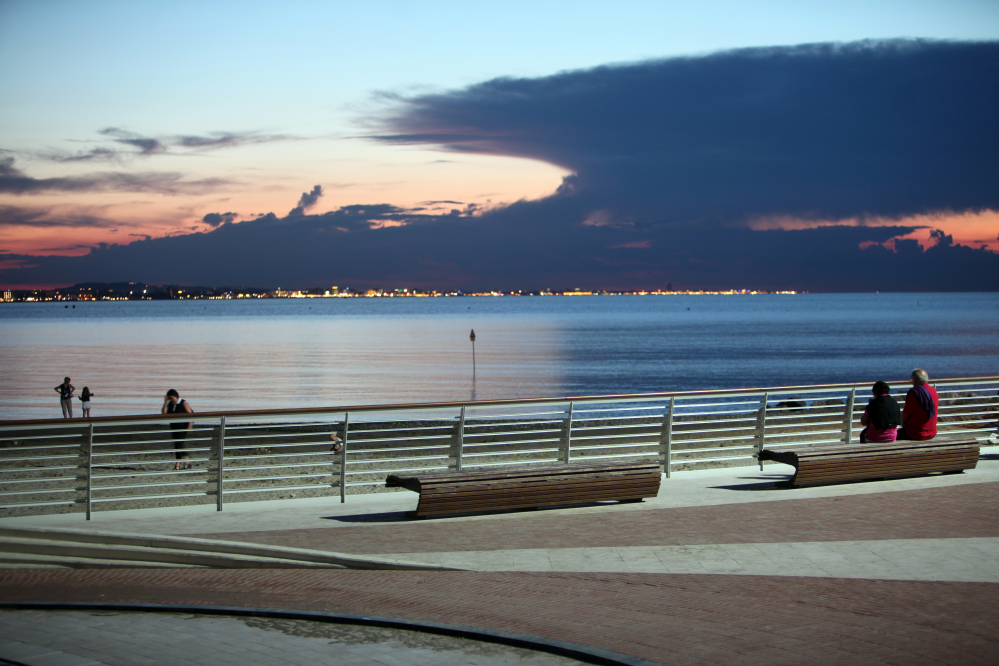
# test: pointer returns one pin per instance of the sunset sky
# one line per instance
(504, 145)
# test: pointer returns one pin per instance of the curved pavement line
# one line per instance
(563, 648)
(111, 539)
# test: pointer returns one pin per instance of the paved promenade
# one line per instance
(720, 568)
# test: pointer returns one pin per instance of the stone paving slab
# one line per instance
(665, 618)
(968, 560)
(99, 638)
(959, 511)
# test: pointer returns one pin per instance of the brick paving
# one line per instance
(965, 511)
(666, 618)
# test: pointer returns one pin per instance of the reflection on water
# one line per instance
(277, 354)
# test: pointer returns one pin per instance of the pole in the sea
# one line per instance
(472, 338)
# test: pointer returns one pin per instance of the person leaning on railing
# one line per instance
(919, 416)
(881, 417)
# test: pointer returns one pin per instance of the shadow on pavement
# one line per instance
(774, 482)
(387, 517)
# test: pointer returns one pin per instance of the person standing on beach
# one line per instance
(85, 399)
(65, 391)
(172, 404)
(919, 416)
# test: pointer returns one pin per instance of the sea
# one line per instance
(289, 353)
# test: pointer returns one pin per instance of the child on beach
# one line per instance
(85, 399)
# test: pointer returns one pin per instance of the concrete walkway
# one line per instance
(722, 567)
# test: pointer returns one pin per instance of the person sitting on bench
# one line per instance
(881, 417)
(919, 416)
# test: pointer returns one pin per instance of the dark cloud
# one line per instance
(216, 140)
(16, 216)
(146, 145)
(215, 219)
(523, 246)
(14, 181)
(307, 201)
(817, 131)
(93, 155)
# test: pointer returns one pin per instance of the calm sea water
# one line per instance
(226, 355)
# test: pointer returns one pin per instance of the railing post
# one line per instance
(343, 460)
(666, 437)
(565, 450)
(761, 429)
(460, 443)
(89, 446)
(848, 417)
(221, 465)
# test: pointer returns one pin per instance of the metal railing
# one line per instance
(56, 466)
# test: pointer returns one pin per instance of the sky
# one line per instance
(824, 146)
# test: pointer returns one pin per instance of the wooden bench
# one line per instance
(855, 462)
(529, 487)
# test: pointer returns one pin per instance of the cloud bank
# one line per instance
(674, 165)
(826, 130)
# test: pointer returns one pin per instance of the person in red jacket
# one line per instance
(919, 416)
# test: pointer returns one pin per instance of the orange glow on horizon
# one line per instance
(972, 229)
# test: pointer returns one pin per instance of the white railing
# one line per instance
(56, 466)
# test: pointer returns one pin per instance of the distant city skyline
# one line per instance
(418, 144)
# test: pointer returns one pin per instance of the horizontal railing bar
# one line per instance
(34, 458)
(47, 479)
(587, 424)
(697, 405)
(706, 460)
(125, 454)
(659, 408)
(365, 461)
(170, 472)
(373, 440)
(134, 498)
(277, 477)
(46, 468)
(360, 409)
(280, 455)
(510, 432)
(354, 449)
(515, 462)
(280, 489)
(508, 453)
(162, 428)
(147, 442)
(650, 435)
(611, 446)
(161, 484)
(47, 447)
(702, 431)
(16, 505)
(711, 439)
(617, 455)
(408, 469)
(39, 492)
(677, 452)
